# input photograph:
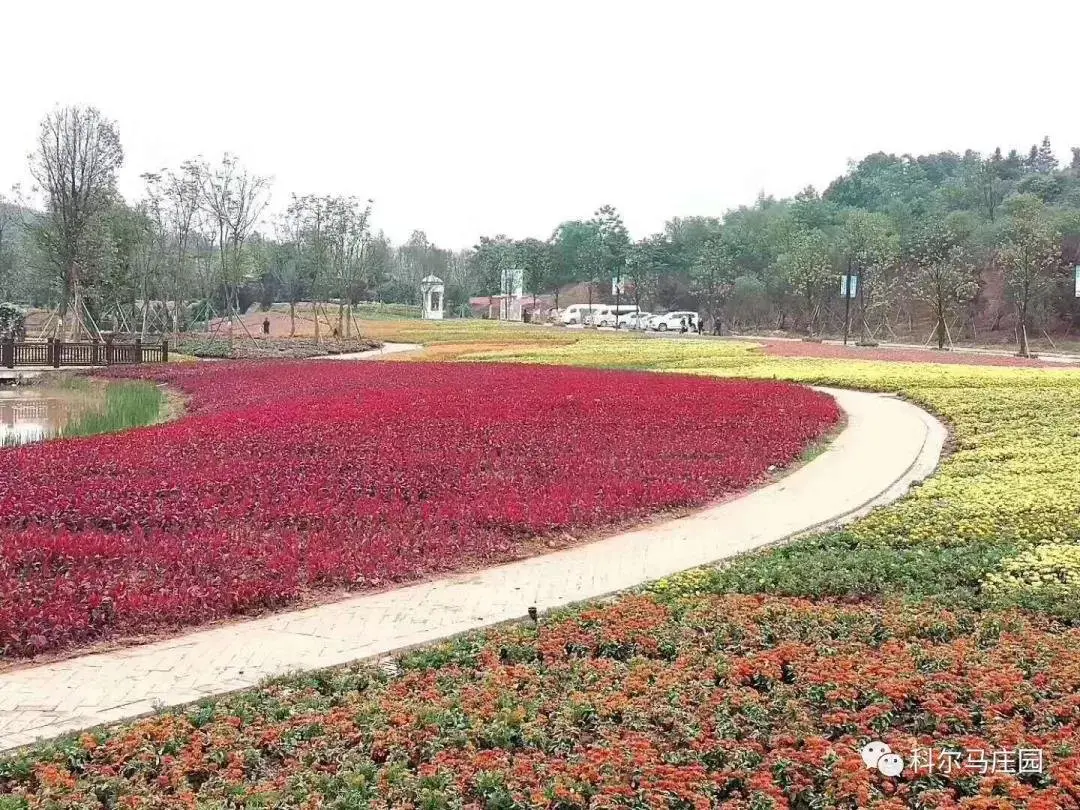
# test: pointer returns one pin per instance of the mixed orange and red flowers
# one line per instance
(693, 702)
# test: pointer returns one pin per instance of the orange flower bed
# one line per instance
(740, 701)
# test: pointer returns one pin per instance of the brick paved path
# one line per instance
(373, 354)
(886, 445)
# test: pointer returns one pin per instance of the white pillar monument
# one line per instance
(431, 290)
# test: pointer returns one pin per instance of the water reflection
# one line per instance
(37, 413)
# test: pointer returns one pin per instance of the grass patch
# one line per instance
(127, 405)
(103, 407)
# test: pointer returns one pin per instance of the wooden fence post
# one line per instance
(56, 344)
(7, 353)
(165, 351)
(108, 350)
(138, 350)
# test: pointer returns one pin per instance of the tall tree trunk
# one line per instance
(1022, 331)
(864, 328)
(67, 297)
(292, 319)
(145, 307)
(176, 288)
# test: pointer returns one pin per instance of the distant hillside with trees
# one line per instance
(945, 246)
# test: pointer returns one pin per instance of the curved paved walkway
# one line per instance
(373, 354)
(886, 445)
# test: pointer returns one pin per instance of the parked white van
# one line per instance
(577, 314)
(607, 314)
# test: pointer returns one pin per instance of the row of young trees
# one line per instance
(199, 245)
(97, 259)
(947, 244)
(943, 243)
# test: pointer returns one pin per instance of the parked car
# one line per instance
(576, 313)
(607, 314)
(672, 321)
(635, 320)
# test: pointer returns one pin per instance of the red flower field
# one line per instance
(287, 478)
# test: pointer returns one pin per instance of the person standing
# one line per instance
(266, 325)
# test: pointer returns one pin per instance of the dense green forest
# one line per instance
(946, 246)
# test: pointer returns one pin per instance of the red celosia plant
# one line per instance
(743, 702)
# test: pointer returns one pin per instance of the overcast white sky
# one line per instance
(467, 118)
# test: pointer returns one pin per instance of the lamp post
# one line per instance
(592, 281)
(847, 302)
(618, 293)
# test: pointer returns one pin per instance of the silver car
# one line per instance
(635, 320)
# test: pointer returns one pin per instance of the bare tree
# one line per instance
(175, 198)
(78, 154)
(150, 249)
(307, 221)
(287, 265)
(204, 250)
(349, 236)
(233, 199)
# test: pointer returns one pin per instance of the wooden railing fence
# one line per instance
(57, 353)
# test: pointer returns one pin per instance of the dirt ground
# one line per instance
(281, 323)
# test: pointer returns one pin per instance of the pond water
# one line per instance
(36, 413)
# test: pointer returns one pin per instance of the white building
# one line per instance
(432, 291)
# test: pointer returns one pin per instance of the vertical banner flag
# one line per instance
(849, 285)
